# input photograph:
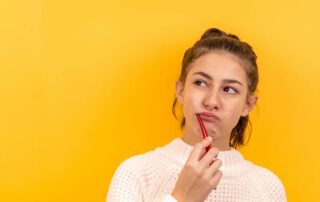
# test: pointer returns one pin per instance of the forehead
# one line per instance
(219, 65)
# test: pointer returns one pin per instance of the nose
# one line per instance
(212, 101)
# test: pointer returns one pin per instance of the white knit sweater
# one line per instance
(152, 177)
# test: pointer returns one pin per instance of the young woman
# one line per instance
(217, 83)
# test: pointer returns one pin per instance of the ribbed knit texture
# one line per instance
(152, 177)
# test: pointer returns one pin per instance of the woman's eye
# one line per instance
(200, 83)
(230, 90)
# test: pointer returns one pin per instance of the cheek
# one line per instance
(235, 111)
(193, 97)
(192, 102)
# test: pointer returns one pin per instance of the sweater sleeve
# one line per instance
(277, 191)
(168, 198)
(125, 185)
(273, 186)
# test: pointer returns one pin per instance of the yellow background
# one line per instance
(86, 84)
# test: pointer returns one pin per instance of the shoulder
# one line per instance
(159, 158)
(269, 182)
(130, 173)
(265, 175)
(137, 163)
(148, 166)
(143, 164)
(127, 183)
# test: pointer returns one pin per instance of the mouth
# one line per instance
(208, 117)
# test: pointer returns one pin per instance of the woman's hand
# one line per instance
(199, 175)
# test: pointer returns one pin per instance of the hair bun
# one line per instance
(215, 32)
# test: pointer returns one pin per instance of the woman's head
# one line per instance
(219, 77)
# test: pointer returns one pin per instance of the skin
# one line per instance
(216, 83)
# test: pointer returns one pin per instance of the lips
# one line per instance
(209, 117)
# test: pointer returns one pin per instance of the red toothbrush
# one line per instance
(203, 130)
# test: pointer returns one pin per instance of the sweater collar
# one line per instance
(233, 162)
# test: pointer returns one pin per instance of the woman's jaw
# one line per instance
(192, 135)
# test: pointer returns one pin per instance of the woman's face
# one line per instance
(216, 87)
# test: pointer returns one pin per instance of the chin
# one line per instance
(214, 134)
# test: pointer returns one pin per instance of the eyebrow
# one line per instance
(210, 78)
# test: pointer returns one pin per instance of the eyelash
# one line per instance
(198, 83)
(235, 91)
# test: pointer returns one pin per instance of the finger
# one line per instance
(199, 149)
(213, 168)
(209, 156)
(214, 181)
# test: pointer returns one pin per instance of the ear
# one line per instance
(179, 91)
(249, 105)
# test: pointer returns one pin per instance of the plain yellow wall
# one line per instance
(86, 84)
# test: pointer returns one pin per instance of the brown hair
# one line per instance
(216, 40)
